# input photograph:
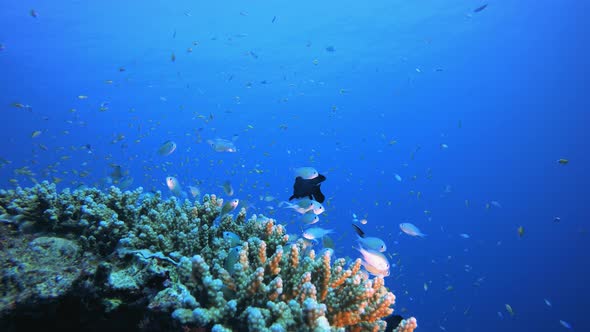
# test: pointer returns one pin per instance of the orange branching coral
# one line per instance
(355, 267)
(380, 308)
(255, 281)
(274, 262)
(307, 291)
(269, 227)
(320, 291)
(294, 257)
(305, 278)
(243, 256)
(325, 273)
(343, 275)
(407, 325)
(262, 252)
(345, 318)
(355, 301)
(275, 288)
(311, 254)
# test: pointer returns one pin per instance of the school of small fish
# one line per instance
(168, 156)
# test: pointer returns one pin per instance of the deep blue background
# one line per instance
(515, 76)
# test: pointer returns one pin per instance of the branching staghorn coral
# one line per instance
(407, 325)
(274, 285)
(314, 293)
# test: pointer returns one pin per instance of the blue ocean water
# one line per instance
(471, 109)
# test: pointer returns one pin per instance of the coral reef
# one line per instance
(407, 325)
(164, 264)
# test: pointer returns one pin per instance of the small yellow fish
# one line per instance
(36, 133)
(563, 161)
(81, 97)
(520, 231)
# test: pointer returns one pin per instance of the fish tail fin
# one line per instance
(358, 247)
(318, 195)
(287, 205)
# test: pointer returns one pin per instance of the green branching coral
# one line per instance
(173, 255)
